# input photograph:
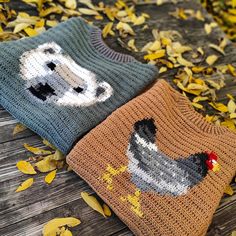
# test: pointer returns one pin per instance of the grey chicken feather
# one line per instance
(152, 170)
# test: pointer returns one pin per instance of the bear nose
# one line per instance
(78, 89)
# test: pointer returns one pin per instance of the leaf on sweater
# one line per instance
(36, 150)
(26, 184)
(53, 226)
(25, 167)
(93, 203)
(50, 177)
(229, 190)
(19, 128)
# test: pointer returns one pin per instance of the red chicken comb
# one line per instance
(211, 161)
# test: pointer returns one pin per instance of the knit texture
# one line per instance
(65, 81)
(154, 162)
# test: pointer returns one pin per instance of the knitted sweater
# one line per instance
(155, 160)
(65, 81)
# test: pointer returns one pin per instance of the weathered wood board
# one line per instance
(25, 213)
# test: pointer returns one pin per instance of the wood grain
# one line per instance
(23, 214)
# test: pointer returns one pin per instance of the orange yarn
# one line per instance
(102, 159)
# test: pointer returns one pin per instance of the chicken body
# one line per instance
(154, 171)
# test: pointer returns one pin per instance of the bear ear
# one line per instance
(50, 48)
(104, 91)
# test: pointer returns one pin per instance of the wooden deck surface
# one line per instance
(25, 213)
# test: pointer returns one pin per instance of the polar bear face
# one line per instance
(53, 77)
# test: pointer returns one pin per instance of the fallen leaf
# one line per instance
(51, 228)
(19, 128)
(156, 55)
(211, 59)
(93, 203)
(217, 48)
(107, 30)
(35, 150)
(31, 32)
(219, 106)
(50, 176)
(25, 167)
(231, 106)
(46, 165)
(106, 210)
(26, 184)
(86, 11)
(229, 190)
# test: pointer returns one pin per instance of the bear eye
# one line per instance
(49, 50)
(42, 91)
(51, 65)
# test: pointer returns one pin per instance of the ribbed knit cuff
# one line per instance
(152, 162)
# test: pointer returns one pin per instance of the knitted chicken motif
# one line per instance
(152, 170)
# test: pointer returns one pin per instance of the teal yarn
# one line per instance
(65, 81)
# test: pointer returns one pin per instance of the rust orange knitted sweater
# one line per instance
(155, 161)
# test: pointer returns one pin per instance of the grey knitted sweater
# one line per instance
(65, 81)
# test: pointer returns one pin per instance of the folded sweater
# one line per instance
(65, 81)
(158, 164)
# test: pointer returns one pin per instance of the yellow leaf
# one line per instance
(229, 190)
(184, 62)
(52, 227)
(19, 27)
(19, 128)
(232, 70)
(211, 59)
(233, 233)
(67, 232)
(30, 32)
(156, 55)
(197, 69)
(87, 11)
(50, 10)
(131, 44)
(199, 99)
(25, 167)
(26, 184)
(139, 20)
(35, 150)
(162, 69)
(46, 165)
(71, 4)
(51, 23)
(193, 86)
(107, 30)
(126, 28)
(45, 142)
(50, 176)
(92, 202)
(106, 210)
(232, 116)
(207, 28)
(217, 48)
(197, 105)
(219, 106)
(231, 106)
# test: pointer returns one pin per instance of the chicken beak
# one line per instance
(216, 166)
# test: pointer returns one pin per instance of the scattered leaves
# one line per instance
(36, 150)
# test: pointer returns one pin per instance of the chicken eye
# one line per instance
(51, 65)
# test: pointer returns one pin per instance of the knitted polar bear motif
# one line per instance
(53, 77)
